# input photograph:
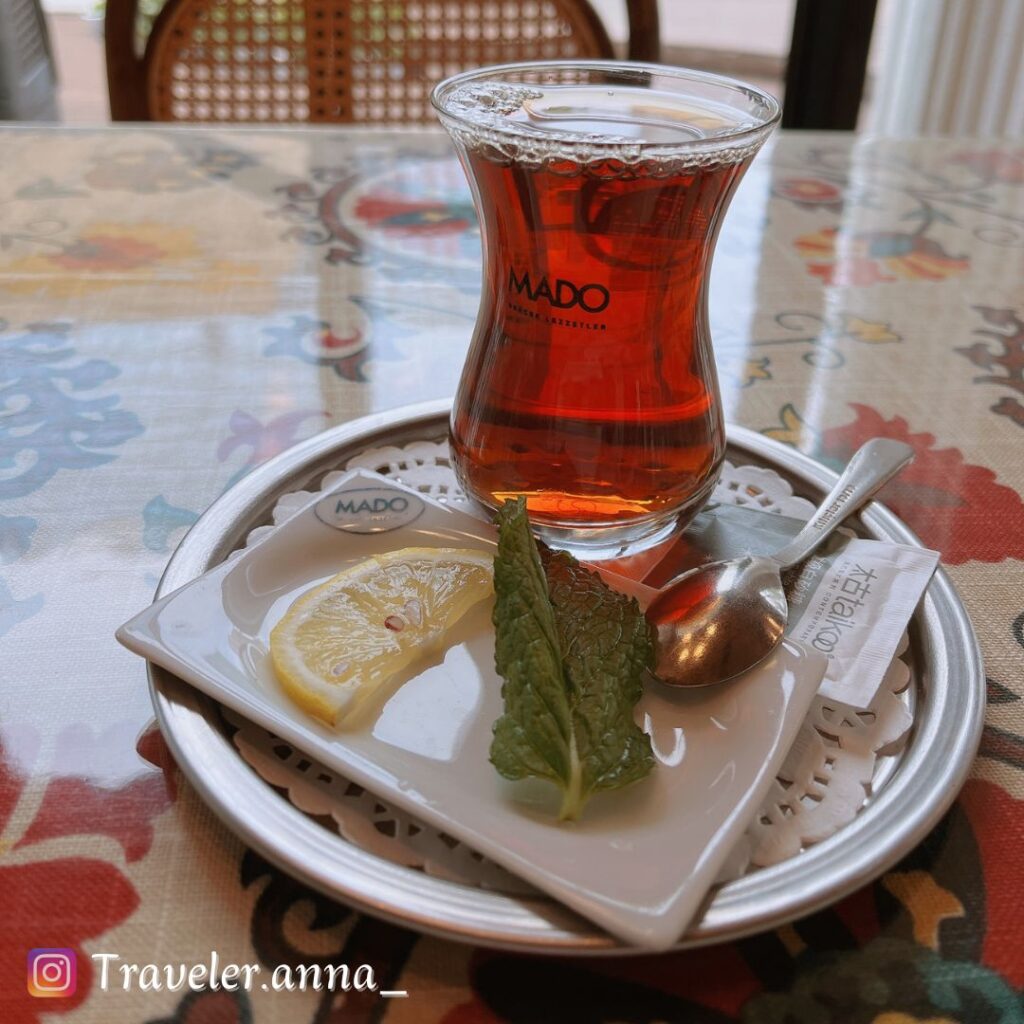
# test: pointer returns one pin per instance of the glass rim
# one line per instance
(727, 139)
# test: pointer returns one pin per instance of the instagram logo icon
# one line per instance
(52, 973)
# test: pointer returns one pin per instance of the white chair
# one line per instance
(28, 77)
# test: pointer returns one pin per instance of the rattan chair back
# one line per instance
(349, 61)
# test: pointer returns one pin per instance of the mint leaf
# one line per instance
(572, 652)
(606, 648)
(534, 736)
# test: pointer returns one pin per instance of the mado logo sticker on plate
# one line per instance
(369, 509)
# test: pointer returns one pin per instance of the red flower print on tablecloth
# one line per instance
(107, 252)
(1003, 165)
(64, 264)
(73, 806)
(957, 508)
(430, 217)
(997, 820)
(413, 221)
(52, 899)
(55, 904)
(102, 248)
(872, 257)
(404, 215)
(809, 193)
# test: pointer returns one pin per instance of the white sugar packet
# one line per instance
(852, 600)
(853, 604)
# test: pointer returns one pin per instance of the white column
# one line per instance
(951, 67)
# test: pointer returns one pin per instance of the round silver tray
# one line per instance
(918, 787)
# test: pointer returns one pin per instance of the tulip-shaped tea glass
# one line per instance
(590, 384)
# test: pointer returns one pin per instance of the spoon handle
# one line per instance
(873, 464)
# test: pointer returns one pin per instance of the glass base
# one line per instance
(602, 543)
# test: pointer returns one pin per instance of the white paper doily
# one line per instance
(823, 783)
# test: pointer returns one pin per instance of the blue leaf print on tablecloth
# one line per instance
(15, 537)
(12, 611)
(44, 426)
(160, 519)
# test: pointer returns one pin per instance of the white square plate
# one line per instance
(638, 863)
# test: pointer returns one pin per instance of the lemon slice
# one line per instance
(343, 640)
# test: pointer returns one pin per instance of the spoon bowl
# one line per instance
(719, 620)
(707, 623)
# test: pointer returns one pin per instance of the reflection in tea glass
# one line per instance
(590, 383)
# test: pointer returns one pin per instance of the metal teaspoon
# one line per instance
(718, 620)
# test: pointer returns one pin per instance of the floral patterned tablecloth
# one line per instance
(177, 306)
